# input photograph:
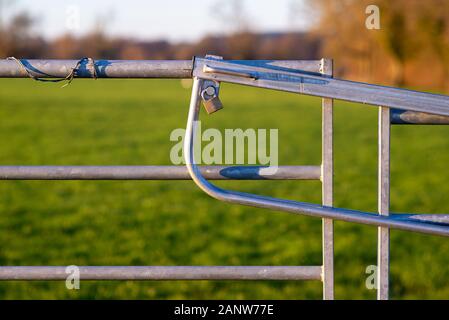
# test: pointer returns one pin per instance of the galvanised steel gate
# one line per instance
(312, 77)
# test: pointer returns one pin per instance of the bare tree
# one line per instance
(232, 15)
(407, 30)
(397, 34)
(4, 4)
(433, 23)
(17, 37)
(341, 26)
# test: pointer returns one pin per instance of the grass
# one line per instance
(128, 122)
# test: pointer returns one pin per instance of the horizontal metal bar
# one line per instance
(104, 68)
(299, 81)
(157, 173)
(413, 117)
(288, 75)
(434, 218)
(163, 273)
(129, 68)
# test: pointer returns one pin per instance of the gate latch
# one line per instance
(210, 91)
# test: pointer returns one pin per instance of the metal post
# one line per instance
(383, 250)
(327, 177)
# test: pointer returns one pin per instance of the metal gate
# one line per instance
(312, 77)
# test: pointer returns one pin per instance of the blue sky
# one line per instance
(174, 20)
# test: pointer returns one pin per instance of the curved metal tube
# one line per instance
(288, 205)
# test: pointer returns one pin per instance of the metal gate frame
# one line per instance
(324, 173)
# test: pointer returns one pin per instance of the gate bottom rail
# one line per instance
(164, 273)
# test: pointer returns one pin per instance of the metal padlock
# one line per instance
(210, 100)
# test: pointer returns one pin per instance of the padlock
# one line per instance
(210, 100)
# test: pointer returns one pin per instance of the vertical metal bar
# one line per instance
(327, 178)
(383, 234)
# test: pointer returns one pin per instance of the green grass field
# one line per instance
(128, 122)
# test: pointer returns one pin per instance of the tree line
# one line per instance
(410, 48)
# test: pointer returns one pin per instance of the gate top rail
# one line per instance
(285, 75)
(174, 69)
